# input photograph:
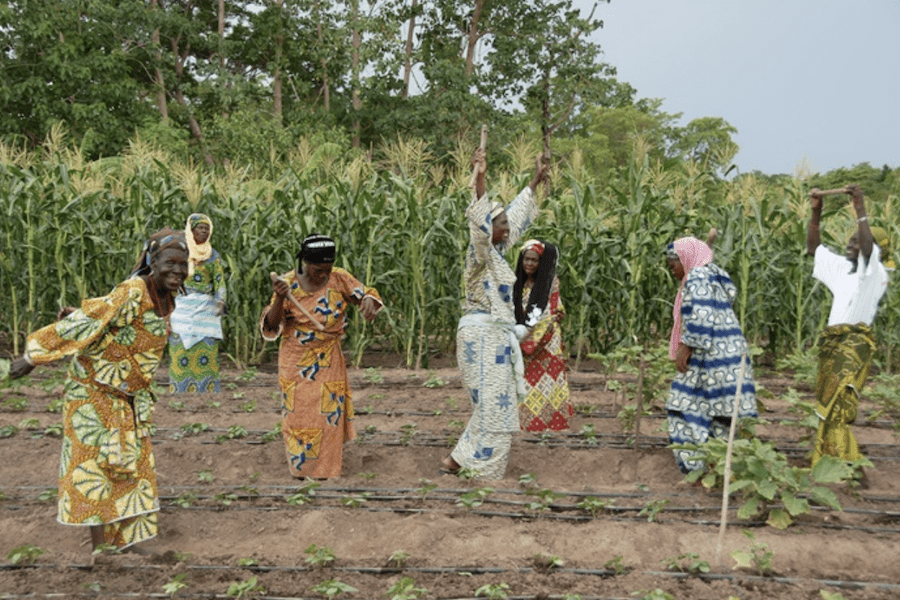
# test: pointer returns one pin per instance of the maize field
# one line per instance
(72, 229)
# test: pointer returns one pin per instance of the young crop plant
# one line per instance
(30, 424)
(205, 476)
(273, 434)
(762, 477)
(248, 406)
(398, 558)
(475, 498)
(493, 591)
(409, 431)
(368, 476)
(406, 589)
(546, 497)
(548, 562)
(616, 565)
(589, 434)
(434, 381)
(175, 585)
(594, 505)
(655, 594)
(333, 588)
(185, 500)
(373, 375)
(758, 556)
(55, 430)
(356, 500)
(248, 375)
(26, 554)
(226, 498)
(425, 487)
(48, 495)
(305, 495)
(319, 556)
(246, 589)
(688, 562)
(194, 428)
(247, 562)
(652, 509)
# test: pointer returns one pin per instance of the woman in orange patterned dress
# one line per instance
(308, 310)
(538, 307)
(107, 476)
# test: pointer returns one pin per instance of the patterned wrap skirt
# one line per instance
(845, 356)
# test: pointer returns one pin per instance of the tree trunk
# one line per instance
(473, 36)
(161, 103)
(356, 42)
(407, 62)
(326, 92)
(277, 105)
(179, 97)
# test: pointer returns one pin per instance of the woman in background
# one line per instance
(539, 308)
(197, 320)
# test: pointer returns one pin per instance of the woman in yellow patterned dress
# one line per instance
(107, 476)
(308, 310)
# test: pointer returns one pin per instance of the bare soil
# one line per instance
(231, 512)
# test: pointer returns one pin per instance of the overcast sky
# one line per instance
(802, 80)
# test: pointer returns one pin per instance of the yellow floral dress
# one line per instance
(106, 474)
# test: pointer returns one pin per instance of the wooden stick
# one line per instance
(843, 190)
(318, 325)
(640, 405)
(482, 146)
(727, 475)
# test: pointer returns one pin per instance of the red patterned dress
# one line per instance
(547, 404)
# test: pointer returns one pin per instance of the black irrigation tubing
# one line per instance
(534, 515)
(602, 573)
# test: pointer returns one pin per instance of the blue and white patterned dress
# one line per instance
(701, 400)
(486, 347)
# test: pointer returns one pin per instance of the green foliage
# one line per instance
(355, 500)
(493, 591)
(245, 589)
(185, 499)
(475, 498)
(319, 556)
(175, 584)
(425, 487)
(194, 428)
(305, 495)
(434, 381)
(617, 565)
(655, 594)
(406, 589)
(688, 562)
(333, 588)
(758, 556)
(373, 375)
(594, 505)
(25, 554)
(652, 509)
(762, 477)
(398, 558)
(205, 476)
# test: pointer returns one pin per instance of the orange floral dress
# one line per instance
(107, 474)
(317, 406)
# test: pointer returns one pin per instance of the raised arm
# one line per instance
(813, 237)
(864, 232)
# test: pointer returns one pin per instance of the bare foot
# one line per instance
(448, 465)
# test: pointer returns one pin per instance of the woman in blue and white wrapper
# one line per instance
(707, 345)
(197, 321)
(487, 347)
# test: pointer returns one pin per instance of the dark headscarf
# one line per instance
(159, 241)
(543, 282)
(316, 249)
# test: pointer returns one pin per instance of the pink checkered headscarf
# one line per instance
(692, 253)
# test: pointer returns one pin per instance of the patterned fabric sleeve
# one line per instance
(521, 212)
(478, 215)
(84, 326)
(354, 291)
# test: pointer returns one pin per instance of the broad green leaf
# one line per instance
(795, 506)
(830, 469)
(823, 495)
(779, 519)
(749, 508)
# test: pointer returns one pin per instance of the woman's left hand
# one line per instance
(682, 356)
(369, 308)
(20, 368)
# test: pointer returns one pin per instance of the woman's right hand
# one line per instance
(280, 287)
